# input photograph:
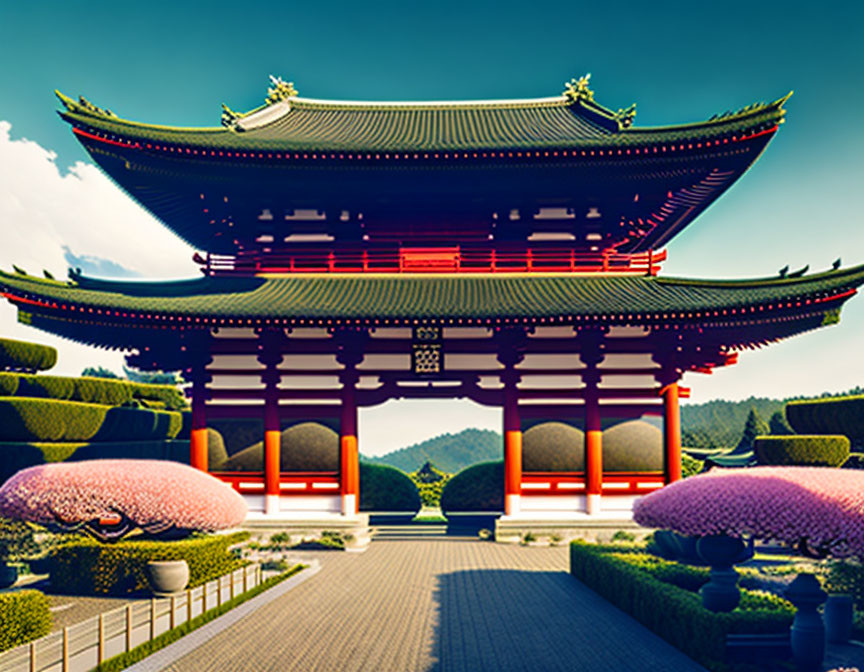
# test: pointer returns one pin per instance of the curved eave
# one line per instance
(597, 128)
(742, 313)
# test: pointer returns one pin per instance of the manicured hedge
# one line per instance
(29, 419)
(480, 487)
(25, 617)
(802, 450)
(15, 456)
(85, 567)
(385, 488)
(646, 589)
(90, 390)
(23, 356)
(838, 415)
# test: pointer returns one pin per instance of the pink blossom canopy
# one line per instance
(145, 491)
(823, 506)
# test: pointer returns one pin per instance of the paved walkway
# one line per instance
(438, 605)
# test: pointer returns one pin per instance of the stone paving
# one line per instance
(438, 605)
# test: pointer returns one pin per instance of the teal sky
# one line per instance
(175, 63)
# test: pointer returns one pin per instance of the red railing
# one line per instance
(290, 482)
(434, 260)
(573, 482)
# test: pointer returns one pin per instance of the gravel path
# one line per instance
(437, 605)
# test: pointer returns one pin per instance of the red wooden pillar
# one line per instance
(593, 450)
(349, 456)
(270, 346)
(198, 434)
(671, 433)
(272, 449)
(591, 355)
(512, 448)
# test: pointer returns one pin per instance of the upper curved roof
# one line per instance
(289, 122)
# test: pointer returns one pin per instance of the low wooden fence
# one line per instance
(81, 647)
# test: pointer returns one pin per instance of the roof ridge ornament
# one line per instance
(577, 90)
(281, 90)
(625, 116)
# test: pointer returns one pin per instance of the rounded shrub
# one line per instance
(480, 487)
(308, 446)
(386, 488)
(553, 446)
(838, 415)
(166, 394)
(634, 445)
(50, 387)
(216, 453)
(23, 356)
(802, 450)
(25, 616)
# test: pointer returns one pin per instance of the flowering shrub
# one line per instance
(817, 508)
(110, 498)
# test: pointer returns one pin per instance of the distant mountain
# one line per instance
(719, 423)
(451, 453)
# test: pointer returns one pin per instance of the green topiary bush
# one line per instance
(553, 446)
(49, 387)
(23, 356)
(308, 446)
(25, 617)
(837, 415)
(637, 584)
(690, 466)
(167, 394)
(28, 419)
(634, 445)
(480, 487)
(802, 450)
(86, 567)
(102, 391)
(385, 488)
(216, 453)
(138, 424)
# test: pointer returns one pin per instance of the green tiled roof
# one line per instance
(426, 296)
(306, 124)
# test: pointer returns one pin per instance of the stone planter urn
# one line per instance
(8, 575)
(807, 634)
(721, 552)
(838, 618)
(167, 577)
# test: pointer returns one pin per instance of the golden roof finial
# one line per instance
(281, 90)
(577, 89)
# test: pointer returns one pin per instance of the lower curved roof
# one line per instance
(752, 311)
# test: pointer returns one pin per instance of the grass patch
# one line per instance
(124, 660)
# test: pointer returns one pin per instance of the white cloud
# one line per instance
(42, 210)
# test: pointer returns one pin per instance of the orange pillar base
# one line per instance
(593, 468)
(272, 461)
(513, 471)
(350, 464)
(198, 449)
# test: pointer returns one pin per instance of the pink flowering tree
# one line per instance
(109, 499)
(818, 509)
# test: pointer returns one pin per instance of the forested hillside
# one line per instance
(449, 452)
